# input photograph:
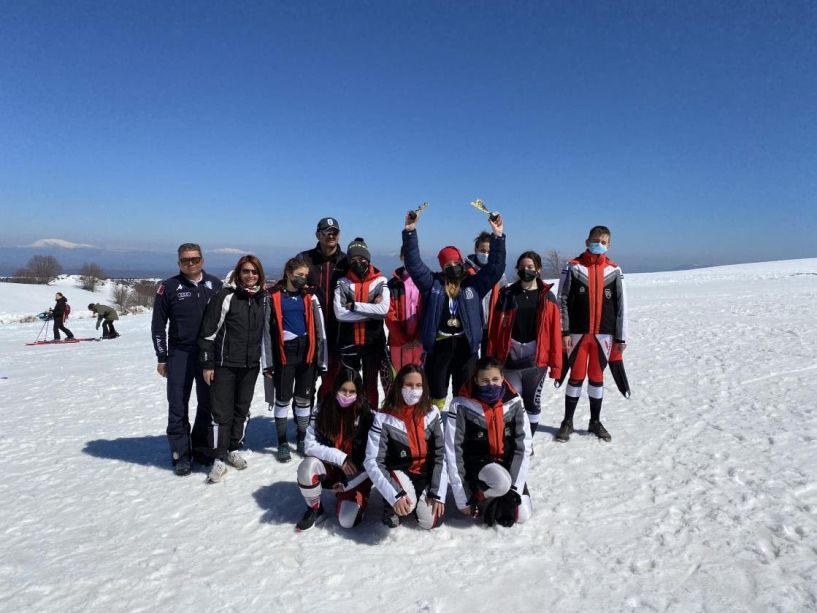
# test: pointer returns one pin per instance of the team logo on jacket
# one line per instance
(183, 295)
(608, 293)
(469, 293)
(161, 289)
(208, 284)
(403, 453)
(581, 289)
(480, 435)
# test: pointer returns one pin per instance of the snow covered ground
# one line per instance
(706, 499)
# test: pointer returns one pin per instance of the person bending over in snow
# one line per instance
(593, 307)
(405, 455)
(335, 448)
(105, 315)
(487, 447)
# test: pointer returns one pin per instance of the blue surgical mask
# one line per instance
(489, 394)
(482, 258)
(597, 249)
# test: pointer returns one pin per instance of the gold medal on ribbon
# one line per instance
(453, 323)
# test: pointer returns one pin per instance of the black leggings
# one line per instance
(451, 359)
(59, 325)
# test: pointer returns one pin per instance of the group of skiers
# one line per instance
(464, 325)
(59, 313)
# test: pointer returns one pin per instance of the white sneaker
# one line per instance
(217, 472)
(236, 460)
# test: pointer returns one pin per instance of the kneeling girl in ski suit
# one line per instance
(487, 446)
(335, 448)
(405, 455)
(525, 334)
(298, 350)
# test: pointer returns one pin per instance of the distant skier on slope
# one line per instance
(60, 314)
(593, 308)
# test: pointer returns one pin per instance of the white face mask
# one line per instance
(411, 396)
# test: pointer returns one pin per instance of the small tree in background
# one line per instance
(90, 275)
(552, 264)
(122, 297)
(144, 292)
(41, 269)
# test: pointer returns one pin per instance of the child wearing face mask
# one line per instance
(361, 303)
(478, 259)
(451, 322)
(593, 309)
(405, 455)
(335, 449)
(487, 446)
(298, 342)
(525, 334)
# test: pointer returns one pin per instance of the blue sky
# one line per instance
(689, 129)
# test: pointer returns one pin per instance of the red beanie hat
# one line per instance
(449, 254)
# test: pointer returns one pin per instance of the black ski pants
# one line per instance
(183, 368)
(231, 393)
(451, 360)
(296, 377)
(60, 325)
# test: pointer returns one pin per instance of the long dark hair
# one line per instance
(331, 416)
(395, 398)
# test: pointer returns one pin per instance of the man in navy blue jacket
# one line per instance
(181, 300)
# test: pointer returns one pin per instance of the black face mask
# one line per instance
(453, 272)
(298, 282)
(526, 274)
(360, 269)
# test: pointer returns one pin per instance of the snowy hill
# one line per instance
(706, 499)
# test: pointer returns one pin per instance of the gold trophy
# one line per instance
(415, 212)
(480, 206)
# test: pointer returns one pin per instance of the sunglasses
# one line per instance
(189, 261)
(249, 271)
(329, 233)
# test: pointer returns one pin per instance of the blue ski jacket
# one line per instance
(469, 301)
(181, 302)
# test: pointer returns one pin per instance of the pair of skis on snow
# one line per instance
(67, 341)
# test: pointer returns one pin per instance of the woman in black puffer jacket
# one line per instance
(59, 314)
(234, 345)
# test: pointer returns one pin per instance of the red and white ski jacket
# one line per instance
(363, 324)
(592, 298)
(401, 441)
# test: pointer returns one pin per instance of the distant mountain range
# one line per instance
(157, 263)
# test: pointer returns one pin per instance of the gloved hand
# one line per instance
(503, 509)
(507, 508)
